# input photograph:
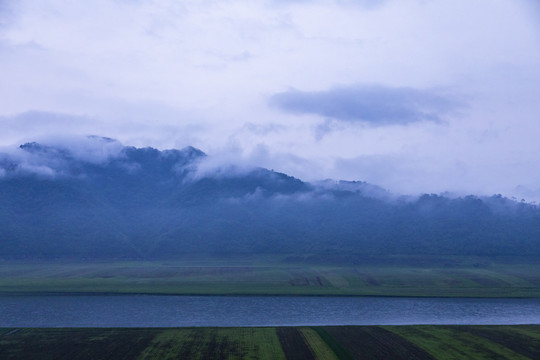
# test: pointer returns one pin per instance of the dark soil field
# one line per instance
(294, 345)
(333, 342)
(370, 342)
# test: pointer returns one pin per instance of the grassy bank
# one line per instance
(448, 278)
(335, 342)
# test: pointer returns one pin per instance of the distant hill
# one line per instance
(100, 200)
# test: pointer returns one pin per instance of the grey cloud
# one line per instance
(373, 104)
(327, 127)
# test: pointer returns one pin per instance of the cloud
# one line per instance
(373, 104)
(20, 161)
(169, 74)
(91, 149)
(52, 155)
(40, 170)
(234, 162)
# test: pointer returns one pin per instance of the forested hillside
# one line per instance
(116, 202)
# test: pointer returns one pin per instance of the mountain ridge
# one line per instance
(113, 201)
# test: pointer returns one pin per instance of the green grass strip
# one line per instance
(320, 349)
(336, 347)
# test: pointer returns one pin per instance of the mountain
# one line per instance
(97, 199)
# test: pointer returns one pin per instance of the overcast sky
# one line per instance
(412, 95)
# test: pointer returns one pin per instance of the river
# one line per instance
(167, 311)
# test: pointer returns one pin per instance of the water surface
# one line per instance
(165, 311)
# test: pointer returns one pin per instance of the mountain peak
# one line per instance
(37, 148)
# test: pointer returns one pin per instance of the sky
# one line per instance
(416, 96)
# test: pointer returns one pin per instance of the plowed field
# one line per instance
(331, 342)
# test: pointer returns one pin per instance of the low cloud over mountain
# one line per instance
(94, 198)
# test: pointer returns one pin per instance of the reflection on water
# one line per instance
(157, 311)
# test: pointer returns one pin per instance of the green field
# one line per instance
(334, 342)
(246, 276)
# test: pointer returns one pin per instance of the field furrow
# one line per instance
(425, 342)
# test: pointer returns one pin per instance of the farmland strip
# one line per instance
(448, 342)
(375, 343)
(518, 342)
(70, 344)
(318, 347)
(532, 331)
(336, 347)
(293, 344)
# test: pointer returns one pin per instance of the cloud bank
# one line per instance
(375, 104)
